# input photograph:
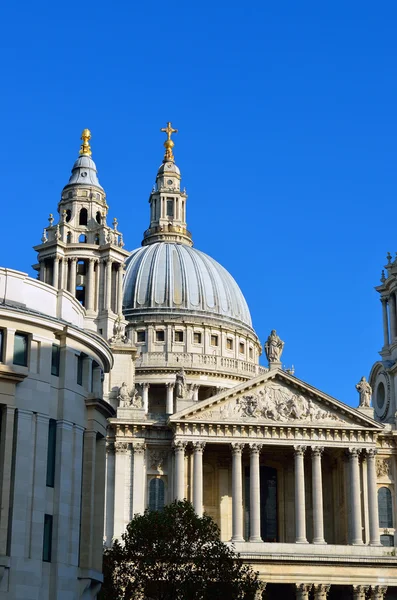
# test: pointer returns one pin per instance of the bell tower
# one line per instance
(167, 201)
(383, 376)
(80, 252)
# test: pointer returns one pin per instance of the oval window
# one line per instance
(380, 394)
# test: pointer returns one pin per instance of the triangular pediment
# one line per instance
(278, 398)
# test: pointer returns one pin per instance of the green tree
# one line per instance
(175, 555)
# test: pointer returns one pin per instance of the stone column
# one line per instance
(90, 284)
(109, 493)
(392, 311)
(237, 493)
(122, 450)
(374, 539)
(317, 494)
(145, 396)
(355, 509)
(303, 591)
(139, 478)
(300, 508)
(120, 277)
(198, 449)
(179, 448)
(385, 322)
(378, 592)
(195, 389)
(55, 273)
(360, 592)
(73, 273)
(255, 500)
(108, 284)
(63, 272)
(170, 398)
(42, 271)
(321, 591)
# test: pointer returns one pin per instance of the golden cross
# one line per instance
(169, 130)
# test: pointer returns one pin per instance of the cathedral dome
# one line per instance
(166, 277)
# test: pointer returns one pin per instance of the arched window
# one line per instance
(97, 240)
(385, 507)
(82, 239)
(68, 238)
(156, 494)
(83, 217)
(98, 217)
(68, 215)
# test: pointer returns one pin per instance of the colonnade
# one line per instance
(64, 276)
(300, 451)
(320, 591)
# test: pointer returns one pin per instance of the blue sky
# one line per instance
(287, 144)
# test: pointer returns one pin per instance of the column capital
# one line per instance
(371, 452)
(146, 385)
(303, 590)
(170, 385)
(255, 448)
(237, 447)
(378, 592)
(73, 259)
(317, 450)
(110, 448)
(138, 447)
(321, 591)
(93, 260)
(299, 450)
(383, 299)
(198, 446)
(179, 445)
(360, 592)
(353, 452)
(121, 447)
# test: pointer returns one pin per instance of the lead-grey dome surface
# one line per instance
(174, 278)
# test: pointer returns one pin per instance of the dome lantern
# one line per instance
(167, 201)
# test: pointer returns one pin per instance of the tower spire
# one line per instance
(169, 143)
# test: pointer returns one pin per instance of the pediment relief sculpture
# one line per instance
(275, 403)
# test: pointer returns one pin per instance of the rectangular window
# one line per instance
(178, 336)
(170, 207)
(1, 345)
(197, 337)
(241, 348)
(141, 336)
(80, 369)
(56, 353)
(52, 440)
(47, 538)
(251, 353)
(21, 341)
(229, 344)
(160, 335)
(214, 340)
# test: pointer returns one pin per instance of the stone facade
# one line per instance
(303, 485)
(52, 443)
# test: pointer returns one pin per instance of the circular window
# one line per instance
(380, 394)
(84, 174)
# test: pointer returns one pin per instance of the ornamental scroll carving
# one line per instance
(383, 467)
(274, 403)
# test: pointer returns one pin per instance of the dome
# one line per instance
(174, 278)
(168, 167)
(84, 172)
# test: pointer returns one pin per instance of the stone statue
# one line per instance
(128, 398)
(180, 383)
(119, 332)
(273, 347)
(365, 391)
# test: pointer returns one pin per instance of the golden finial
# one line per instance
(169, 144)
(85, 146)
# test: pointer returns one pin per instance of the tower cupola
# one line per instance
(167, 201)
(81, 253)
